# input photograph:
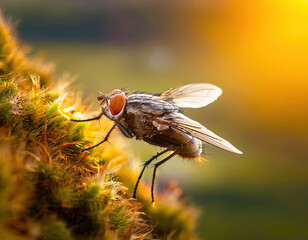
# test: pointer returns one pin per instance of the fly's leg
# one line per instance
(90, 119)
(157, 142)
(147, 164)
(105, 139)
(157, 165)
(125, 132)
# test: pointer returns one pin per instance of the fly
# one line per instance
(155, 119)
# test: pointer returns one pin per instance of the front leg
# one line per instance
(90, 119)
(105, 139)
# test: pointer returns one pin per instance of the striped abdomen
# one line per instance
(192, 147)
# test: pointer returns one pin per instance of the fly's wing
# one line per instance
(193, 95)
(195, 129)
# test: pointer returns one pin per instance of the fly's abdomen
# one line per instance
(192, 149)
(191, 146)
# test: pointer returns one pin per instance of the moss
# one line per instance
(54, 230)
(5, 108)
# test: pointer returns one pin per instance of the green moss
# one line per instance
(5, 108)
(7, 90)
(52, 110)
(54, 230)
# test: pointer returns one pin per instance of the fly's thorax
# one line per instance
(149, 104)
(114, 104)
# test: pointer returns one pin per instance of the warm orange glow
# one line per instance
(264, 47)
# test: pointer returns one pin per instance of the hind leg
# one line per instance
(160, 141)
(155, 168)
(147, 164)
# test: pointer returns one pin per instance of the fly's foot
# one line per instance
(85, 149)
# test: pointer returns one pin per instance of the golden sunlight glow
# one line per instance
(63, 114)
(264, 45)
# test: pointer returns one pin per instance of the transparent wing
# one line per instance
(196, 130)
(193, 95)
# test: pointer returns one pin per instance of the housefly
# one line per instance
(156, 119)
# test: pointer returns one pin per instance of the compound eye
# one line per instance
(116, 104)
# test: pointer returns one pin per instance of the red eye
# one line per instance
(116, 104)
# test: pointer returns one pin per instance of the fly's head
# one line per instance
(113, 104)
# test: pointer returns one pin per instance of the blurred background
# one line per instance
(256, 51)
